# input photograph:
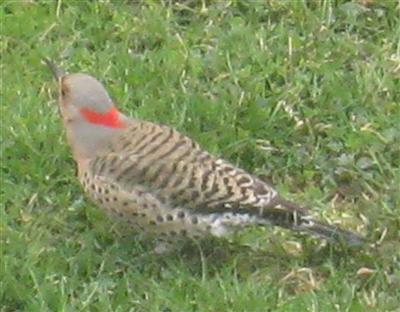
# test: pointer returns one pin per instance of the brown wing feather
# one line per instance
(175, 170)
(175, 167)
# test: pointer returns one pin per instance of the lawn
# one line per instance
(306, 94)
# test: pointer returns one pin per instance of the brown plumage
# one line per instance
(160, 181)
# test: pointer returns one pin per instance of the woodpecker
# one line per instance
(161, 182)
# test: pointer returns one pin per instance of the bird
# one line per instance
(161, 182)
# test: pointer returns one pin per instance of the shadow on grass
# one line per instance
(219, 255)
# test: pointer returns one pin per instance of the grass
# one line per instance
(304, 93)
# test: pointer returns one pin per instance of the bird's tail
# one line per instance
(330, 232)
(288, 215)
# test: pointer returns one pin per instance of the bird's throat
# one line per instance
(111, 119)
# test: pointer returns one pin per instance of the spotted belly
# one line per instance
(145, 213)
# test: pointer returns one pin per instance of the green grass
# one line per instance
(304, 93)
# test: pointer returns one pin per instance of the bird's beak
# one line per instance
(58, 73)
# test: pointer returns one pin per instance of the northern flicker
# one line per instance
(163, 183)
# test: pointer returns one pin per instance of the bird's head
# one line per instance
(90, 116)
(84, 99)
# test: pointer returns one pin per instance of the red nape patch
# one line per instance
(109, 119)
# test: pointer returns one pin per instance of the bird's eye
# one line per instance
(63, 90)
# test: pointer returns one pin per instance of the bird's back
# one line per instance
(150, 165)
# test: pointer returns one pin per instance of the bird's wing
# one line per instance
(178, 173)
(173, 167)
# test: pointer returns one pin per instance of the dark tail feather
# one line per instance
(330, 232)
(288, 215)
